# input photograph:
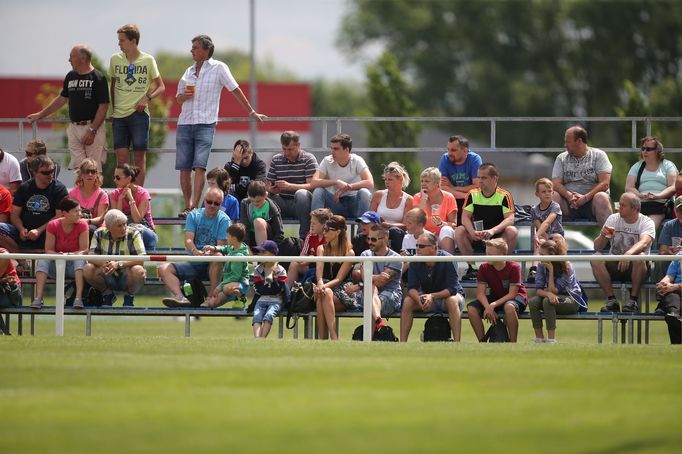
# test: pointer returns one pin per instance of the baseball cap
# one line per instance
(369, 217)
(267, 246)
(678, 201)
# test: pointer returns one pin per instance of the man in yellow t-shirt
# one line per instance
(135, 80)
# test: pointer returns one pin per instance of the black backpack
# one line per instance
(197, 295)
(496, 332)
(289, 246)
(437, 329)
(383, 334)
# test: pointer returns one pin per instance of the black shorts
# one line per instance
(519, 302)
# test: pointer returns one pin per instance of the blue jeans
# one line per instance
(193, 145)
(133, 128)
(297, 207)
(149, 238)
(8, 230)
(266, 311)
(350, 207)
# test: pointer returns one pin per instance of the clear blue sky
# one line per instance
(296, 34)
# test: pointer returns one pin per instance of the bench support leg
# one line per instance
(88, 324)
(188, 319)
(631, 331)
(33, 325)
(20, 324)
(280, 331)
(614, 322)
(600, 330)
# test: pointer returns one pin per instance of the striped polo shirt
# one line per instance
(103, 244)
(295, 172)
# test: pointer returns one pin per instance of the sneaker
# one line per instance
(128, 300)
(611, 306)
(176, 302)
(183, 214)
(380, 324)
(108, 300)
(631, 306)
(471, 274)
(37, 303)
(238, 304)
(539, 340)
(660, 311)
(552, 341)
(78, 303)
(532, 272)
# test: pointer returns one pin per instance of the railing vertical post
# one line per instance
(323, 143)
(633, 132)
(59, 293)
(339, 126)
(493, 134)
(647, 123)
(367, 300)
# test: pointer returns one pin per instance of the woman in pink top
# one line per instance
(440, 207)
(65, 235)
(135, 202)
(88, 192)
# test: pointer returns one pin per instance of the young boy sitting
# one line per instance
(506, 292)
(235, 282)
(546, 217)
(270, 285)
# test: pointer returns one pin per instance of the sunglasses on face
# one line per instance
(422, 246)
(648, 148)
(373, 239)
(30, 154)
(90, 171)
(213, 202)
(117, 177)
(329, 229)
(46, 172)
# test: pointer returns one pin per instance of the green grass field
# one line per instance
(138, 385)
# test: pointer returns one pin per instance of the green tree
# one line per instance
(337, 98)
(389, 96)
(533, 57)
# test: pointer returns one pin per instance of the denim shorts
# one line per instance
(188, 270)
(193, 145)
(266, 311)
(519, 303)
(116, 281)
(391, 301)
(135, 128)
(8, 230)
(49, 267)
(438, 306)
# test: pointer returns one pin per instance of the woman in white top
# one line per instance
(392, 203)
(657, 181)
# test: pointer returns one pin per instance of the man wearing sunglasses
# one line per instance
(35, 204)
(85, 90)
(581, 177)
(135, 81)
(204, 227)
(432, 287)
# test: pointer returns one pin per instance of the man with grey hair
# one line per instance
(107, 276)
(199, 97)
(630, 233)
(288, 180)
(581, 177)
(432, 287)
(85, 89)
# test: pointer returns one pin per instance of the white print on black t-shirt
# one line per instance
(38, 203)
(81, 83)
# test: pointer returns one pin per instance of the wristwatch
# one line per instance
(148, 96)
(119, 264)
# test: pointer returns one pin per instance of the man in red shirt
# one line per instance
(5, 204)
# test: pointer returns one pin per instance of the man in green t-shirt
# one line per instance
(135, 80)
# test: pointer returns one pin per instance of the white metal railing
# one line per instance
(337, 125)
(366, 261)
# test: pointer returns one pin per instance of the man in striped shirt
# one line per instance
(199, 97)
(107, 276)
(288, 180)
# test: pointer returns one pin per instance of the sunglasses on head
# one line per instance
(46, 172)
(649, 148)
(90, 171)
(214, 203)
(373, 239)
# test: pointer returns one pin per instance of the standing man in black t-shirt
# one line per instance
(34, 205)
(85, 89)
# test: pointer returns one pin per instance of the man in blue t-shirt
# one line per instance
(432, 287)
(459, 170)
(204, 227)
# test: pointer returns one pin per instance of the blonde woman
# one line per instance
(331, 277)
(440, 208)
(88, 192)
(393, 203)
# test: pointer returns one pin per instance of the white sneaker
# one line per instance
(37, 303)
(552, 341)
(539, 340)
(78, 303)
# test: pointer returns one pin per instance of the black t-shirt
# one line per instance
(85, 93)
(242, 176)
(38, 206)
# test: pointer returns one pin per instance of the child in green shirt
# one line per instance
(235, 282)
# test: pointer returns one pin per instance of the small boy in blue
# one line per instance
(270, 286)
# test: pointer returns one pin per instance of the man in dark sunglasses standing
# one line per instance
(34, 205)
(135, 81)
(85, 89)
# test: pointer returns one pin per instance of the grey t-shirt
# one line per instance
(350, 173)
(626, 235)
(379, 267)
(581, 174)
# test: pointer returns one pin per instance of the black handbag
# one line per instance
(383, 334)
(496, 332)
(302, 300)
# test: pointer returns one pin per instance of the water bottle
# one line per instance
(187, 289)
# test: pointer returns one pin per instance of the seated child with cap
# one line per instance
(235, 282)
(270, 285)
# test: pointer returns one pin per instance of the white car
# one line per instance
(576, 241)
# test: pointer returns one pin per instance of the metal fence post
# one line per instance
(367, 300)
(59, 293)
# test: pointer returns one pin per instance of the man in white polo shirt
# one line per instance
(199, 97)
